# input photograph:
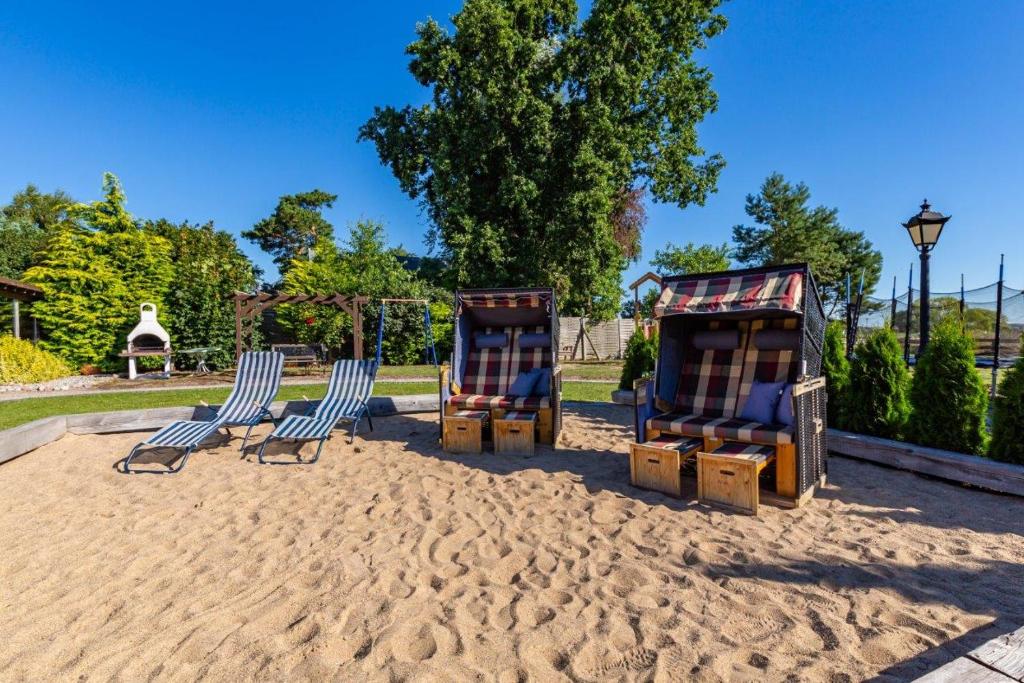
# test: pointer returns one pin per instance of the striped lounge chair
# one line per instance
(348, 390)
(256, 384)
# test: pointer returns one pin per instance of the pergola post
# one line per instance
(16, 309)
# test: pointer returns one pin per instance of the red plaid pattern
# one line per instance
(490, 372)
(520, 416)
(503, 300)
(744, 451)
(766, 365)
(482, 415)
(720, 428)
(503, 402)
(710, 379)
(782, 290)
(673, 442)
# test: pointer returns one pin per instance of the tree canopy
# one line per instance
(541, 131)
(692, 258)
(294, 228)
(790, 231)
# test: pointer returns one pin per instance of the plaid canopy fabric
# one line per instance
(721, 428)
(503, 300)
(778, 290)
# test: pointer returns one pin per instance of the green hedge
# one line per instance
(1008, 417)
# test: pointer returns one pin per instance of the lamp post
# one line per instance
(924, 229)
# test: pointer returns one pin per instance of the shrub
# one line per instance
(948, 399)
(641, 354)
(207, 269)
(95, 272)
(1008, 417)
(21, 362)
(836, 369)
(877, 399)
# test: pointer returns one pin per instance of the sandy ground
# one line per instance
(390, 560)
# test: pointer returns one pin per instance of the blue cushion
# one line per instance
(784, 413)
(716, 340)
(762, 402)
(534, 340)
(543, 385)
(496, 340)
(523, 386)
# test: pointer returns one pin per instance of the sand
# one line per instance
(390, 560)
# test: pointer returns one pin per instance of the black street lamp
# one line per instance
(925, 228)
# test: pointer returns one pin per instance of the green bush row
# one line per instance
(942, 404)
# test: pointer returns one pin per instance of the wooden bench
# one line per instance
(728, 475)
(657, 464)
(464, 431)
(300, 354)
(514, 433)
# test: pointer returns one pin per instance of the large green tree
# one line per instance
(208, 269)
(25, 223)
(789, 230)
(542, 128)
(692, 258)
(96, 270)
(364, 265)
(294, 228)
(44, 210)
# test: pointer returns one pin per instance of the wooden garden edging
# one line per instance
(966, 469)
(31, 435)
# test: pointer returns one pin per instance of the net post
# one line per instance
(999, 319)
(910, 316)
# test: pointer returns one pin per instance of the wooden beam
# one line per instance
(1005, 654)
(957, 467)
(30, 436)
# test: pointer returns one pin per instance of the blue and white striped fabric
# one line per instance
(349, 388)
(256, 383)
(182, 433)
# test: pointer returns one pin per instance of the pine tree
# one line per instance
(82, 311)
(836, 370)
(1008, 417)
(641, 354)
(877, 400)
(948, 399)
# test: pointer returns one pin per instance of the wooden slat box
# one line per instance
(514, 433)
(464, 431)
(657, 464)
(728, 475)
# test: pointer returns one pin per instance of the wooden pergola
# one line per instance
(18, 292)
(249, 309)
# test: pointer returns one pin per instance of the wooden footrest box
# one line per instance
(658, 464)
(464, 431)
(514, 433)
(729, 475)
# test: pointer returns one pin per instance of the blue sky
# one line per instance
(207, 111)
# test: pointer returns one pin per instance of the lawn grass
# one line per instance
(14, 413)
